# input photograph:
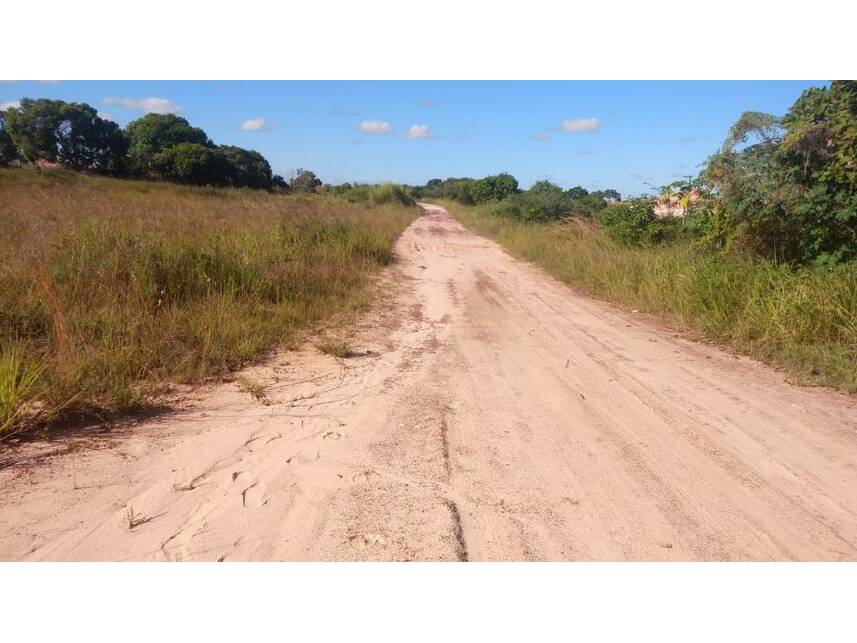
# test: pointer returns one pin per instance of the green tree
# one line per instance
(460, 190)
(279, 184)
(546, 187)
(153, 133)
(607, 195)
(8, 151)
(788, 187)
(576, 192)
(69, 133)
(192, 163)
(633, 223)
(249, 168)
(494, 188)
(305, 181)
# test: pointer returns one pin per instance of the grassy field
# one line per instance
(803, 321)
(111, 288)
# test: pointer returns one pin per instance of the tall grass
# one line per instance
(804, 321)
(110, 288)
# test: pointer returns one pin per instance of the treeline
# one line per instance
(157, 146)
(783, 188)
(543, 201)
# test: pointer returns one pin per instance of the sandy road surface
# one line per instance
(494, 415)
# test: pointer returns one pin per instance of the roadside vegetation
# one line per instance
(109, 288)
(758, 252)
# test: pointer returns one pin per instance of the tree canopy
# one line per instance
(153, 133)
(787, 187)
(8, 151)
(156, 146)
(249, 169)
(68, 133)
(305, 181)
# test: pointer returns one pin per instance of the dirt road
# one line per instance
(493, 414)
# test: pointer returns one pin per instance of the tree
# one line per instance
(787, 187)
(249, 168)
(545, 187)
(153, 133)
(494, 188)
(607, 195)
(279, 184)
(192, 163)
(8, 151)
(576, 192)
(69, 133)
(305, 181)
(460, 190)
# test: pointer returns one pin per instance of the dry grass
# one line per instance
(110, 288)
(337, 348)
(803, 321)
(255, 388)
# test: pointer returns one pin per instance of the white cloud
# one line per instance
(107, 116)
(580, 124)
(8, 104)
(375, 127)
(417, 132)
(150, 105)
(254, 125)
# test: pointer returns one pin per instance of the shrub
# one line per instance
(494, 188)
(305, 181)
(788, 187)
(633, 223)
(390, 193)
(546, 201)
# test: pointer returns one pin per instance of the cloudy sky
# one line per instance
(623, 135)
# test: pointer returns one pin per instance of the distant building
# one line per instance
(675, 205)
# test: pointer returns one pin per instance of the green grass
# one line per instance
(803, 321)
(337, 348)
(109, 289)
(255, 388)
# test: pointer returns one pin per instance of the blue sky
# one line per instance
(619, 134)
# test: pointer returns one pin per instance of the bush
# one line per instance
(494, 188)
(788, 187)
(633, 223)
(390, 193)
(546, 201)
(305, 181)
